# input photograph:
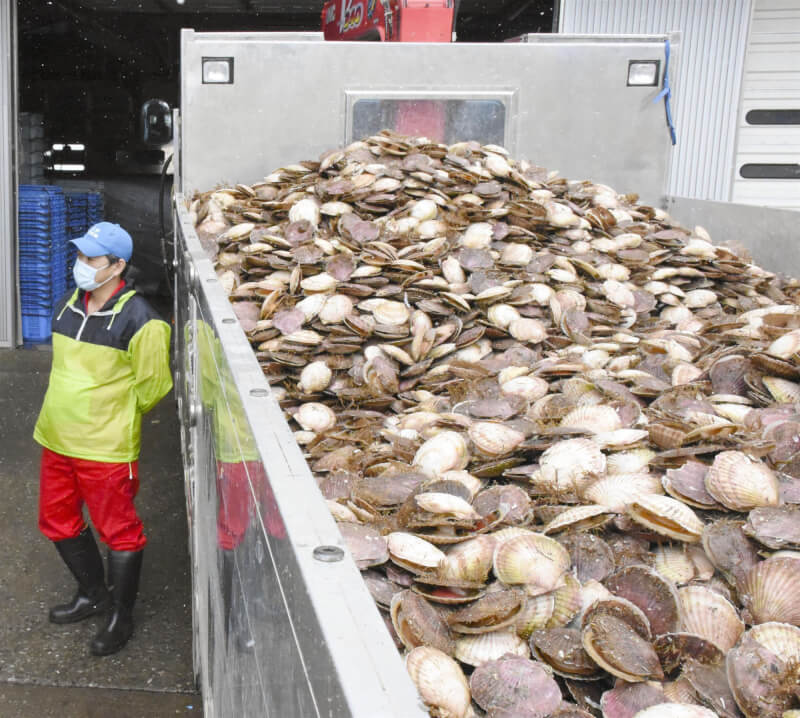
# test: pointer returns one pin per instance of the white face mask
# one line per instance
(85, 276)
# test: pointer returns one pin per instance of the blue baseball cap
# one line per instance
(105, 238)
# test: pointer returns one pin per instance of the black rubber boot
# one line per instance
(124, 568)
(85, 563)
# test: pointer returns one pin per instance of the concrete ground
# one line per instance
(47, 670)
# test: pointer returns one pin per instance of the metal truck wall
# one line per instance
(771, 235)
(8, 210)
(561, 102)
(706, 83)
(284, 625)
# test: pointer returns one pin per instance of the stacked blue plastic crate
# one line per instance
(95, 208)
(42, 257)
(77, 224)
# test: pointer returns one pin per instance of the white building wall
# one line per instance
(771, 82)
(8, 221)
(705, 84)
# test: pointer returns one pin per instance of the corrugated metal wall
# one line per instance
(8, 223)
(706, 87)
(771, 82)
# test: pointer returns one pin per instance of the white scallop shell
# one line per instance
(440, 681)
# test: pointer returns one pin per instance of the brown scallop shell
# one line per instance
(562, 650)
(674, 649)
(365, 543)
(615, 646)
(687, 484)
(729, 549)
(710, 682)
(776, 527)
(627, 699)
(760, 681)
(494, 610)
(418, 623)
(514, 687)
(591, 556)
(652, 593)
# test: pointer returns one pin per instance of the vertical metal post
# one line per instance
(9, 331)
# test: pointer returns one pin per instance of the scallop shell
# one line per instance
(496, 609)
(494, 438)
(527, 330)
(535, 614)
(782, 639)
(626, 700)
(365, 544)
(316, 417)
(673, 563)
(444, 452)
(629, 462)
(776, 527)
(618, 491)
(786, 346)
(335, 309)
(566, 602)
(319, 283)
(412, 552)
(676, 710)
(741, 483)
(666, 516)
(727, 547)
(590, 555)
(595, 419)
(771, 591)
(620, 650)
(536, 561)
(579, 518)
(475, 650)
(758, 679)
(392, 313)
(652, 593)
(568, 464)
(515, 687)
(418, 623)
(315, 377)
(687, 484)
(470, 560)
(562, 650)
(530, 388)
(440, 681)
(782, 390)
(708, 615)
(680, 691)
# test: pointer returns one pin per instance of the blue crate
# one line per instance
(36, 327)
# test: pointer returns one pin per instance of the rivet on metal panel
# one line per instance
(328, 554)
(228, 320)
(259, 392)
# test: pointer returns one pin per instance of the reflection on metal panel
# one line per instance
(8, 212)
(706, 84)
(566, 103)
(441, 120)
(769, 126)
(276, 633)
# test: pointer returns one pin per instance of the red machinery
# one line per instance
(389, 20)
(397, 21)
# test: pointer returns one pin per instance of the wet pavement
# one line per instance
(46, 669)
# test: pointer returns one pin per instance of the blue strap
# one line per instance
(666, 93)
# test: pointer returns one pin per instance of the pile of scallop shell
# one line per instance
(560, 433)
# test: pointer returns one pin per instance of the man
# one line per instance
(110, 366)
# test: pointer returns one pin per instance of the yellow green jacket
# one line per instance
(109, 368)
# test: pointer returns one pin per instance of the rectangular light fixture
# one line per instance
(69, 168)
(643, 73)
(217, 70)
